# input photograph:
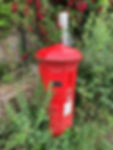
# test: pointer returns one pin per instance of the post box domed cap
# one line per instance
(58, 53)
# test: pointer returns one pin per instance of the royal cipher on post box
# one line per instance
(58, 64)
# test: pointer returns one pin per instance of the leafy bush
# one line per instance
(5, 74)
(5, 18)
(26, 128)
(28, 15)
(39, 18)
(96, 71)
(26, 125)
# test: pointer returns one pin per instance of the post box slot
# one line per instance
(57, 83)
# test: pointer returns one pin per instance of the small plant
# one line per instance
(7, 78)
(27, 122)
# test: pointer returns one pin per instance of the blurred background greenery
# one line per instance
(33, 23)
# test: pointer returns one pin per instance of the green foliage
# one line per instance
(4, 70)
(96, 70)
(26, 127)
(6, 73)
(28, 123)
(5, 18)
(7, 78)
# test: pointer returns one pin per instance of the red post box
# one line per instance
(58, 65)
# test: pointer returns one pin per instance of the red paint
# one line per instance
(58, 65)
